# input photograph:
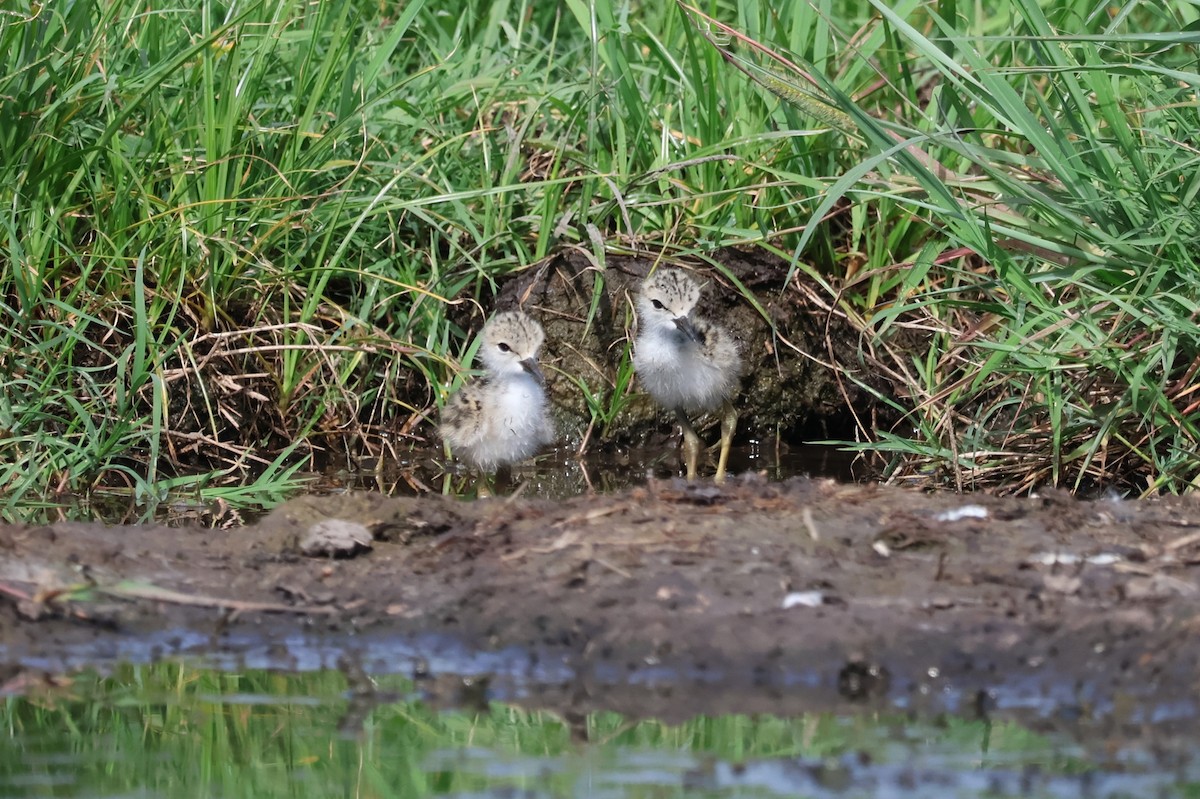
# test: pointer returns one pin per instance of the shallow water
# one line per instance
(553, 475)
(560, 474)
(382, 716)
(176, 730)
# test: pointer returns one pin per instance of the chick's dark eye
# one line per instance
(657, 304)
(504, 347)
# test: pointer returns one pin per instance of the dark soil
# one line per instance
(668, 600)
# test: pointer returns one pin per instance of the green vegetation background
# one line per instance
(230, 233)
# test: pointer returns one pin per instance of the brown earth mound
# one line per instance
(788, 343)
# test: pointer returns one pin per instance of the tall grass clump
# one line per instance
(1045, 150)
(237, 238)
(175, 193)
(242, 239)
(200, 265)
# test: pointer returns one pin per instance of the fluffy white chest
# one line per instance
(677, 372)
(517, 408)
(509, 423)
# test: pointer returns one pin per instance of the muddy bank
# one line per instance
(665, 600)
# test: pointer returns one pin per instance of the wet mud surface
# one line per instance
(665, 600)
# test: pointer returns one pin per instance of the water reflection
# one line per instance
(174, 730)
(560, 474)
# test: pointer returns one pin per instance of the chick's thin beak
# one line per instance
(688, 329)
(531, 365)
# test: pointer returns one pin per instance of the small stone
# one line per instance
(336, 538)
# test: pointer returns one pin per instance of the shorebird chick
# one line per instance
(501, 417)
(687, 363)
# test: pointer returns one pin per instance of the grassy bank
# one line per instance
(232, 237)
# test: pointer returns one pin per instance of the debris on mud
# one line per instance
(742, 597)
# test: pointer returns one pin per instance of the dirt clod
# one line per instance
(336, 538)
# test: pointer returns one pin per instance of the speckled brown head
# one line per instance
(510, 342)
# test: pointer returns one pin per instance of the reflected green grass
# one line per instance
(171, 730)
